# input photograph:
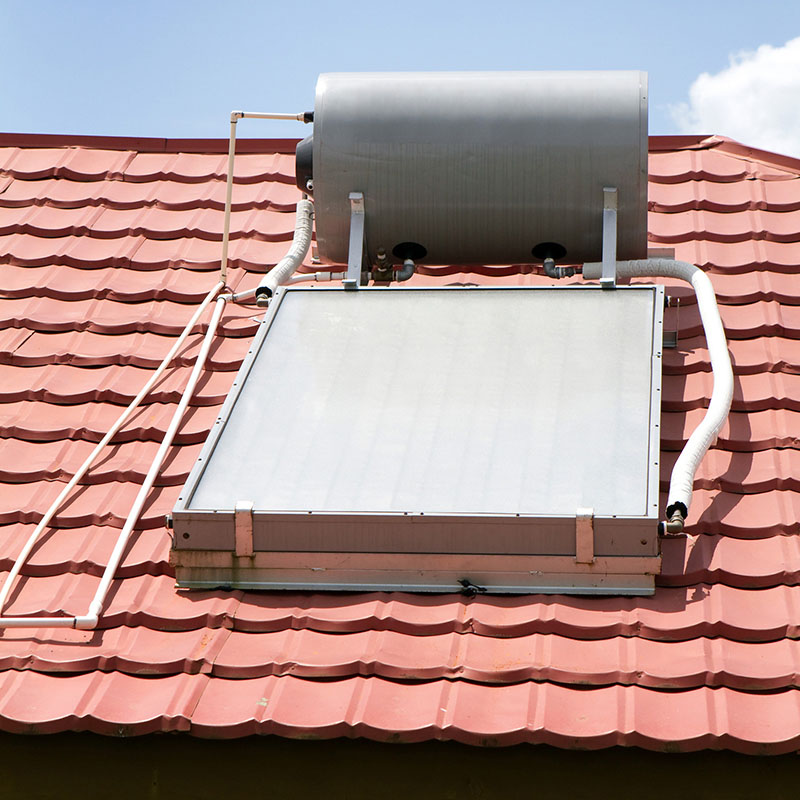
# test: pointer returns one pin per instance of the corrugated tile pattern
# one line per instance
(107, 245)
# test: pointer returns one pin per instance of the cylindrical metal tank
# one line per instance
(480, 167)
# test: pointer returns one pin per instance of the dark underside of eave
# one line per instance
(87, 766)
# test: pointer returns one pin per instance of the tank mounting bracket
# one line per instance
(355, 256)
(608, 279)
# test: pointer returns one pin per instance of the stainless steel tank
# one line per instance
(480, 167)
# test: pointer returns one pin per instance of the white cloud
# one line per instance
(755, 100)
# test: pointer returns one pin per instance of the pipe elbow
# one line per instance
(263, 296)
(552, 271)
(406, 271)
(674, 525)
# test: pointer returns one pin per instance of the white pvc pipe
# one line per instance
(301, 117)
(301, 241)
(90, 619)
(705, 434)
(82, 470)
(238, 297)
(226, 226)
(302, 277)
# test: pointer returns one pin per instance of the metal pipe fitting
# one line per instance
(552, 271)
(406, 271)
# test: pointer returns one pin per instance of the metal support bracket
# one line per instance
(355, 255)
(608, 279)
(670, 338)
(243, 528)
(584, 536)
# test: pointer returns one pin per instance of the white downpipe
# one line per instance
(90, 619)
(284, 269)
(82, 470)
(705, 434)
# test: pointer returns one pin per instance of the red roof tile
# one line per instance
(108, 245)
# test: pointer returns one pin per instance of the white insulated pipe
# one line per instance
(705, 434)
(91, 618)
(286, 267)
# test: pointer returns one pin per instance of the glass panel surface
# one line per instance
(467, 401)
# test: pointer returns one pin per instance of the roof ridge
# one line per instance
(754, 154)
(671, 142)
(146, 144)
(723, 144)
(149, 144)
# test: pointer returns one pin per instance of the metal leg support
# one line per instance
(355, 256)
(608, 279)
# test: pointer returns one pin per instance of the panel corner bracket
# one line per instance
(243, 528)
(584, 536)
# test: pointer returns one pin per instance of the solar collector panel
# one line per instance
(474, 407)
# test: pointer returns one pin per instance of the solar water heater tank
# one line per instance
(478, 167)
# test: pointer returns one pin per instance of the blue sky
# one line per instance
(176, 69)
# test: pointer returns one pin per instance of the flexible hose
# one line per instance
(294, 257)
(705, 434)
